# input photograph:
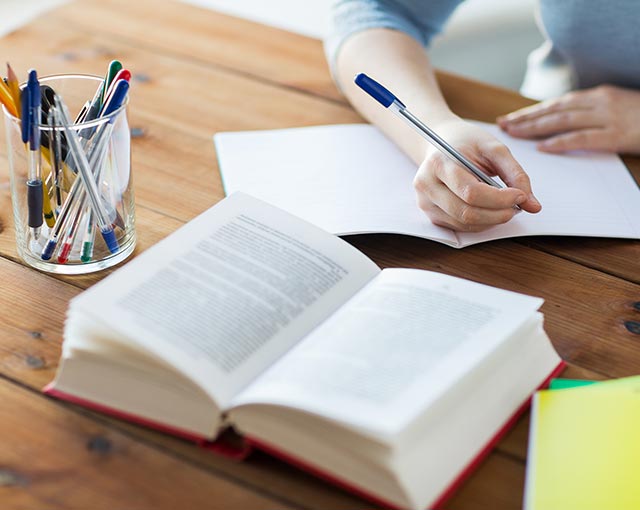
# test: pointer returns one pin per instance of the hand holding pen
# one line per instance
(453, 190)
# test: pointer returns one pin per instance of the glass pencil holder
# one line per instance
(84, 217)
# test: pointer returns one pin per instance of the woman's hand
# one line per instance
(452, 197)
(604, 118)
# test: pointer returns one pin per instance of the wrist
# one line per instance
(442, 123)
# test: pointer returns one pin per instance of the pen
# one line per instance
(115, 98)
(81, 207)
(388, 100)
(77, 192)
(88, 179)
(74, 221)
(31, 135)
(54, 158)
(101, 94)
(123, 74)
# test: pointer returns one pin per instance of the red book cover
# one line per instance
(222, 447)
(236, 452)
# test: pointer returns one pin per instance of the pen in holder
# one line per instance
(70, 167)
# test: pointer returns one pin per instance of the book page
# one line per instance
(347, 179)
(226, 295)
(394, 349)
(582, 194)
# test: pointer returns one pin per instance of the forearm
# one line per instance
(400, 63)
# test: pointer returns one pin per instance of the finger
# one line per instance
(573, 100)
(440, 218)
(555, 123)
(584, 139)
(473, 192)
(463, 215)
(500, 158)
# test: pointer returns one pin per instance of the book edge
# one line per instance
(502, 431)
(241, 453)
(451, 488)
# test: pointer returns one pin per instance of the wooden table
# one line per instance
(197, 72)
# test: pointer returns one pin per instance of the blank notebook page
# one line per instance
(352, 179)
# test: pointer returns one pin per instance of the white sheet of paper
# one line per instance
(351, 179)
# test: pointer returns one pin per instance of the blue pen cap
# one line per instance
(116, 99)
(33, 91)
(24, 115)
(376, 91)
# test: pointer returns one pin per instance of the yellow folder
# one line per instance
(584, 448)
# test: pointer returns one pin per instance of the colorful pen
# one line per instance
(123, 74)
(96, 160)
(115, 98)
(85, 174)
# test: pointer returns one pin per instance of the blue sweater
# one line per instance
(590, 42)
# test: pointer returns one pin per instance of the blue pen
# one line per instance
(388, 100)
(31, 135)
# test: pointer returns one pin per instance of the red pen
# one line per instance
(123, 74)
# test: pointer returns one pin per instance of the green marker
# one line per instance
(114, 67)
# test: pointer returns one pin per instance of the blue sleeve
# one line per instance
(420, 19)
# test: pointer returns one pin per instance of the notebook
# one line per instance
(350, 179)
(584, 448)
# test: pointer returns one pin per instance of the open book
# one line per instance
(392, 382)
(350, 179)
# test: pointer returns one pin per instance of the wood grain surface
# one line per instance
(196, 72)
